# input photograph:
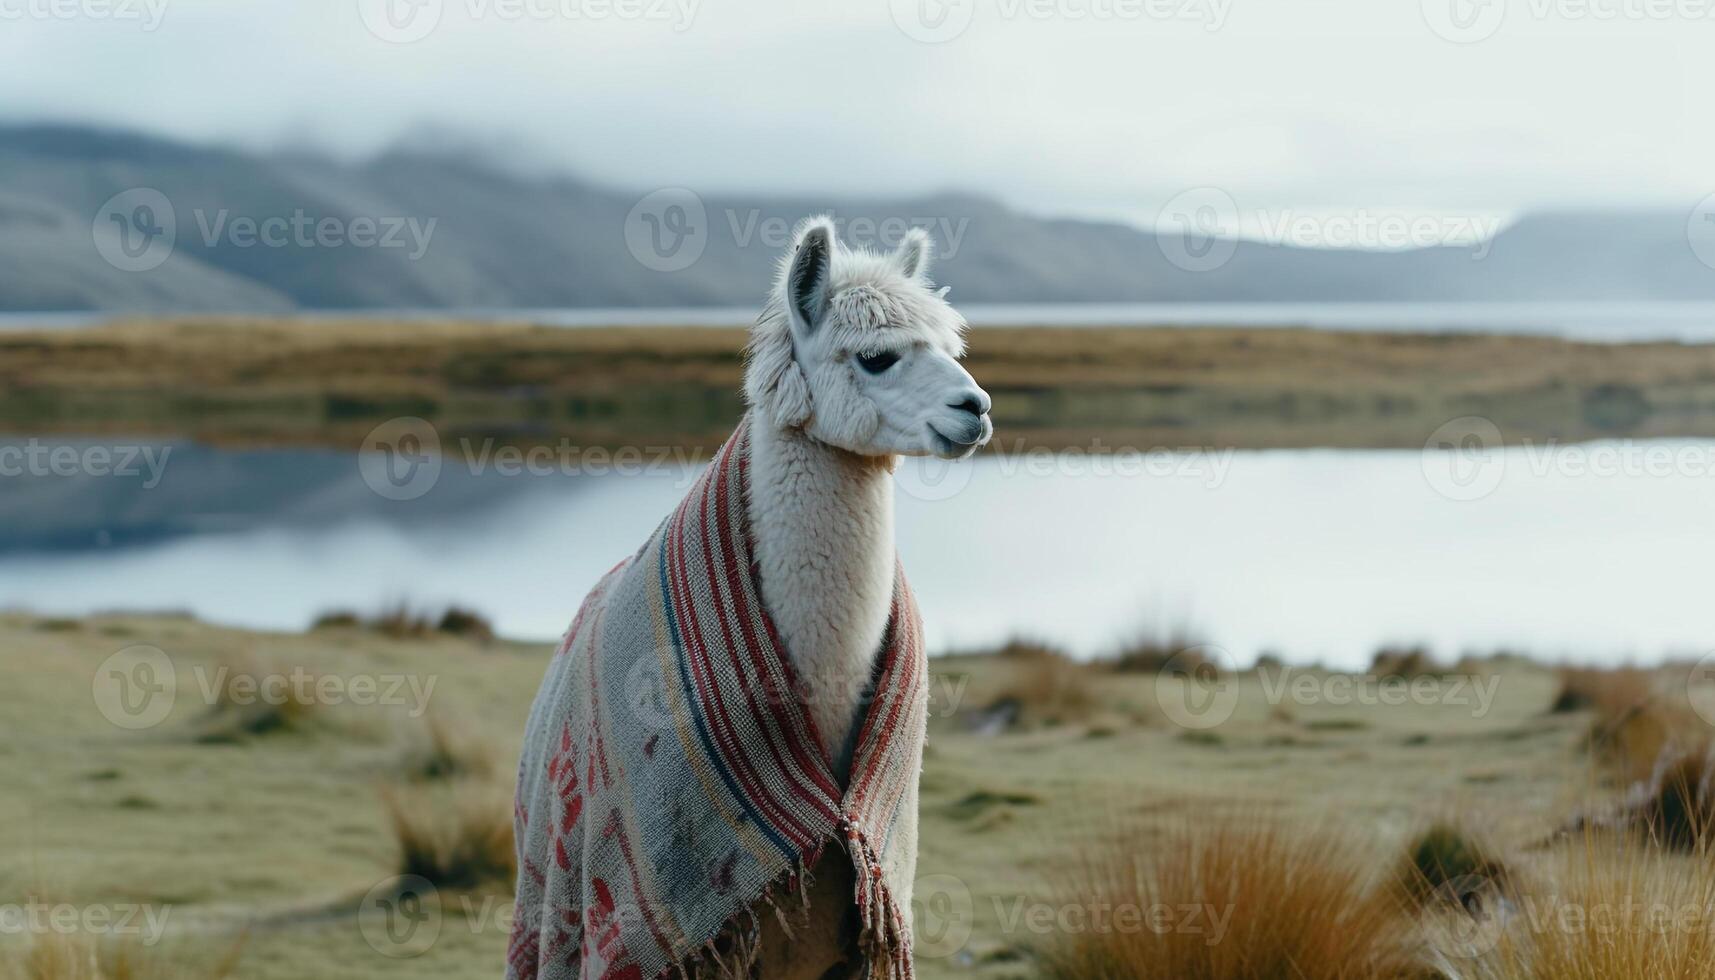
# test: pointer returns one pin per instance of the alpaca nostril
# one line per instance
(975, 402)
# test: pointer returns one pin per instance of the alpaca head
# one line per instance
(861, 352)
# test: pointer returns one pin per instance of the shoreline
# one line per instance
(261, 382)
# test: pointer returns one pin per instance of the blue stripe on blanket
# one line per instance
(695, 709)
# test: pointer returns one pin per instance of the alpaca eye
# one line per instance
(877, 363)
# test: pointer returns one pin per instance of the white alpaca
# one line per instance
(854, 363)
(670, 799)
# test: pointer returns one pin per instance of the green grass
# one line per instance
(284, 831)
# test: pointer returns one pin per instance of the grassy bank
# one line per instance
(279, 382)
(265, 828)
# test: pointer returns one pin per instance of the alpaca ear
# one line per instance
(914, 253)
(808, 274)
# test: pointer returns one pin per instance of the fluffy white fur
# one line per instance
(826, 433)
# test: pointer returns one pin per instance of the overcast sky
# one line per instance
(1056, 106)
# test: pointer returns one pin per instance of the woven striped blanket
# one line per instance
(672, 780)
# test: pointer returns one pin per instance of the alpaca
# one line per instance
(853, 363)
(736, 716)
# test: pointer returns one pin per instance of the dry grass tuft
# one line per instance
(1639, 726)
(337, 619)
(458, 837)
(1405, 663)
(1675, 808)
(1153, 650)
(1610, 693)
(451, 752)
(471, 625)
(1040, 685)
(1294, 905)
(1446, 864)
(1603, 912)
(71, 956)
(253, 699)
(400, 621)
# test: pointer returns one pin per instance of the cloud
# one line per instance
(1050, 104)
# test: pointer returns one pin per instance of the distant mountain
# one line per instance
(460, 234)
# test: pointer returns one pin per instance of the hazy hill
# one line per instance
(499, 240)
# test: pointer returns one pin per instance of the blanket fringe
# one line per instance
(882, 940)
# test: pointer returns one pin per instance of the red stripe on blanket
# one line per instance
(710, 702)
(814, 783)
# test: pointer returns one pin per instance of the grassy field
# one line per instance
(274, 833)
(264, 830)
(268, 382)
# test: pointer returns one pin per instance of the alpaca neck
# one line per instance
(823, 521)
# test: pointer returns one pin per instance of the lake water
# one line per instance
(1597, 552)
(1605, 322)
